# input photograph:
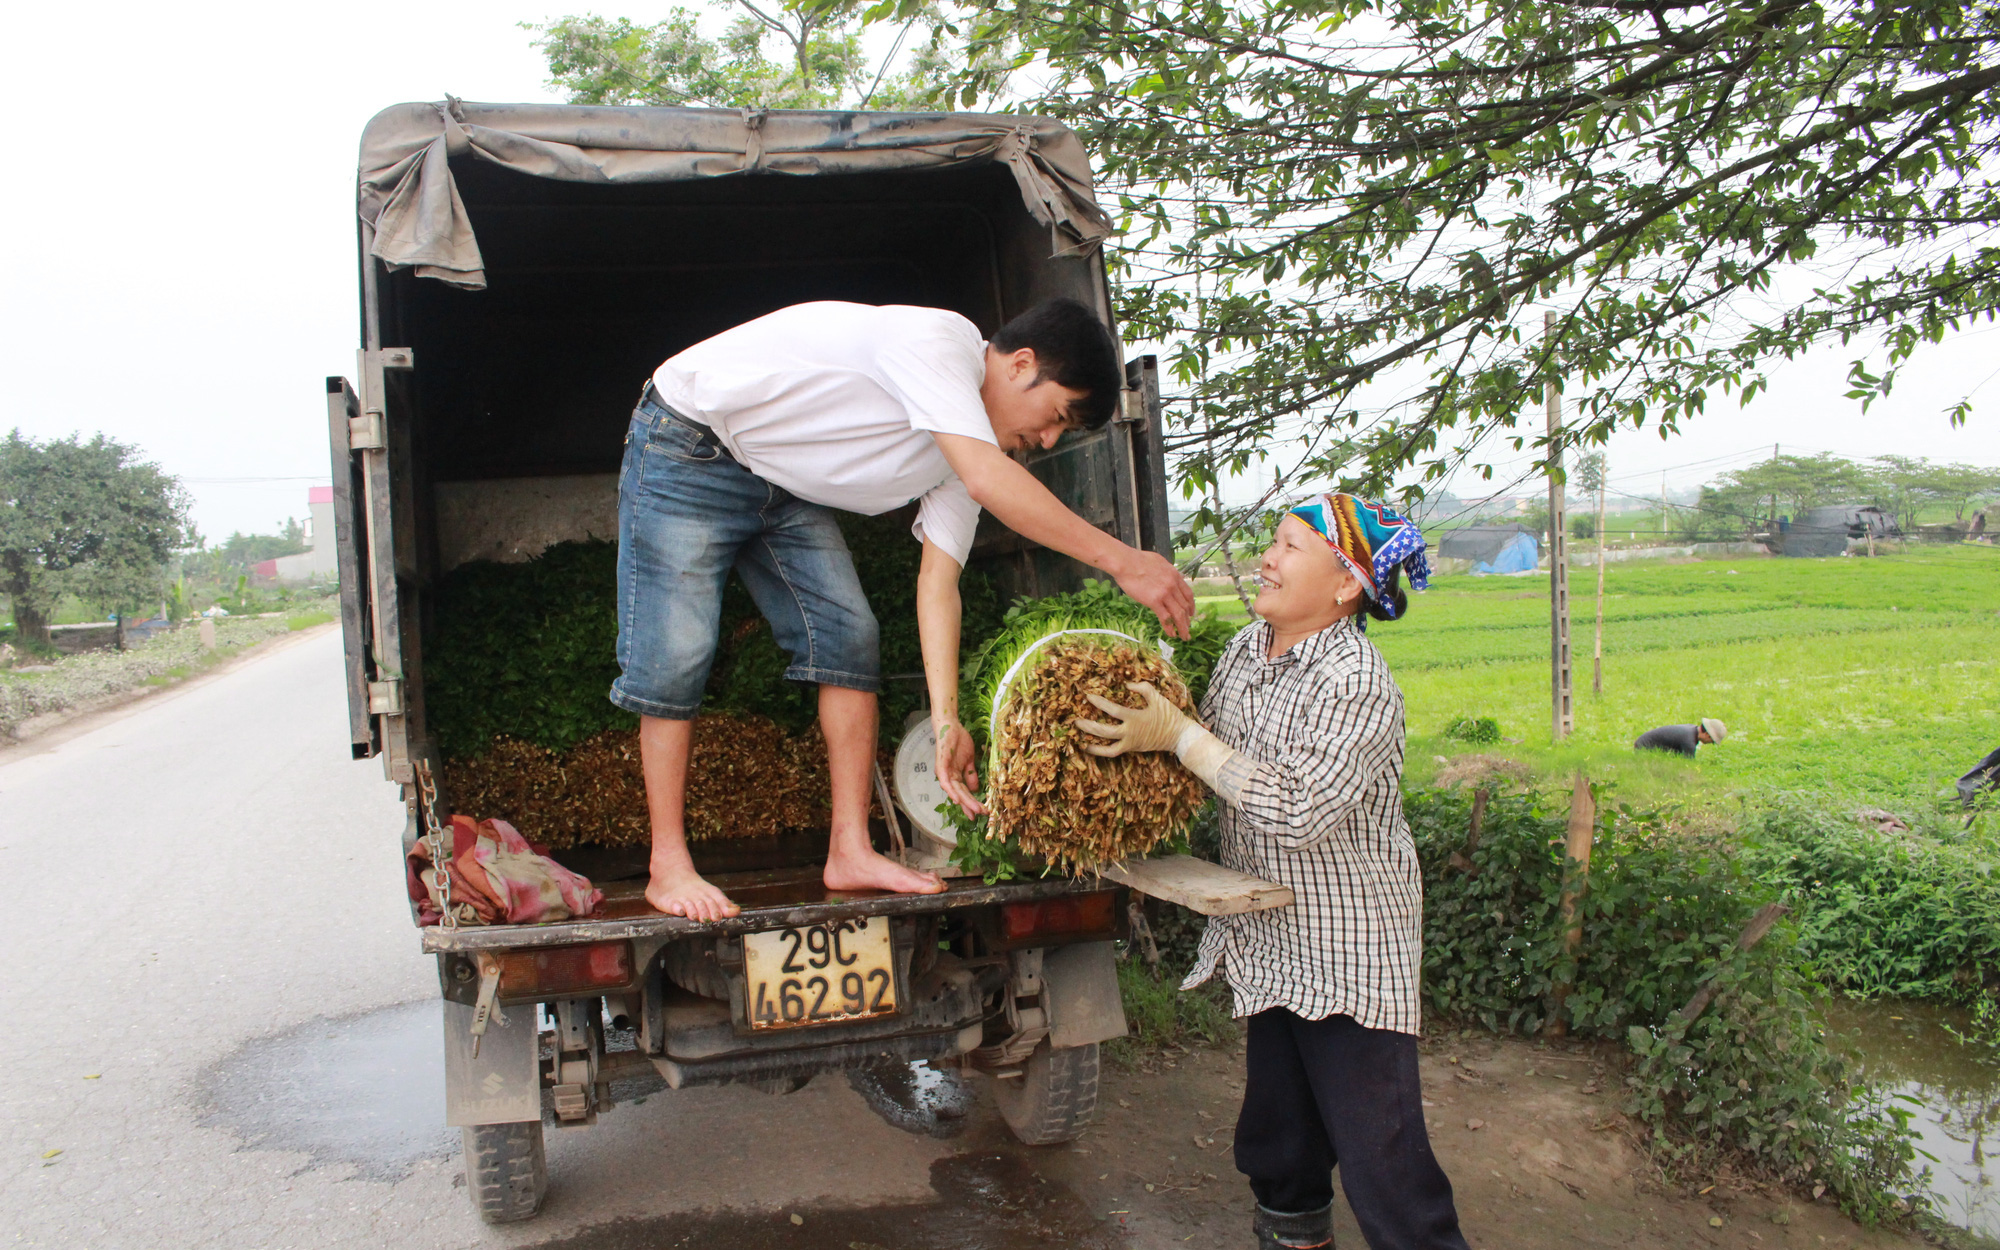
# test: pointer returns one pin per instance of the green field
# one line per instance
(1865, 680)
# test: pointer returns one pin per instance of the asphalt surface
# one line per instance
(219, 1030)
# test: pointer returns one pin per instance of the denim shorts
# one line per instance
(687, 515)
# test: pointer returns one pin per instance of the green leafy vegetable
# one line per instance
(528, 650)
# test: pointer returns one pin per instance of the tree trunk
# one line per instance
(1236, 578)
(31, 625)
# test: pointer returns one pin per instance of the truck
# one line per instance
(523, 270)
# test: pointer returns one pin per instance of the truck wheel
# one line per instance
(1055, 1096)
(505, 1170)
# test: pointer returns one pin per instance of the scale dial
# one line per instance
(918, 791)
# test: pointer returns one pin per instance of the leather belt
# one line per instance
(652, 393)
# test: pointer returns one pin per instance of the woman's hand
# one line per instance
(1155, 727)
(956, 771)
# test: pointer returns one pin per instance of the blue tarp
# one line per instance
(1518, 556)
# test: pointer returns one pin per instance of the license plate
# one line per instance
(819, 974)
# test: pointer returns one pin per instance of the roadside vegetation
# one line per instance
(1886, 913)
(1728, 1064)
(94, 679)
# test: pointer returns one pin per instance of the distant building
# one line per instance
(317, 564)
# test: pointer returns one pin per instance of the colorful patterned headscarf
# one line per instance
(1370, 538)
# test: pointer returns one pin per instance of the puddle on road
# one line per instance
(915, 1097)
(366, 1089)
(1906, 1048)
(985, 1202)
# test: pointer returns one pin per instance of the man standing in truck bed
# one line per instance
(739, 450)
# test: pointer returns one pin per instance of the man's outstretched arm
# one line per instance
(939, 614)
(1004, 487)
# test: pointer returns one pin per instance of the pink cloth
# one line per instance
(497, 877)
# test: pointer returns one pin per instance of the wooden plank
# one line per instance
(1199, 885)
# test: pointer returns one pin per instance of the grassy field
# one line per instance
(1856, 679)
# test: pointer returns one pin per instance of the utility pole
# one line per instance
(1773, 526)
(1597, 643)
(1562, 716)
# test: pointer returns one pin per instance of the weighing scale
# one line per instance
(918, 792)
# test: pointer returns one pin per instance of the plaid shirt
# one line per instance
(1321, 812)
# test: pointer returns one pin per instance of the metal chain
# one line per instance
(435, 840)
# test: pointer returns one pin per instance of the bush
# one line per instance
(1480, 729)
(1898, 914)
(1751, 1077)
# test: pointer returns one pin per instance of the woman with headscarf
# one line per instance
(1306, 754)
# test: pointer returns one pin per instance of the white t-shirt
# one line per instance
(835, 402)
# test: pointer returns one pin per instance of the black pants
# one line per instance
(1321, 1092)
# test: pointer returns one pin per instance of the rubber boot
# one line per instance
(1303, 1230)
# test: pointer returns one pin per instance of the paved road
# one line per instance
(216, 1012)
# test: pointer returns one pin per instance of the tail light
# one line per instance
(1073, 916)
(559, 970)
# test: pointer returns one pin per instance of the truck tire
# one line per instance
(505, 1170)
(1054, 1098)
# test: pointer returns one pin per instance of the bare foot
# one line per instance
(682, 892)
(871, 870)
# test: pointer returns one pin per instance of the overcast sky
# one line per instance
(181, 272)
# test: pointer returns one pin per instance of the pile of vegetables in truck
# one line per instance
(520, 656)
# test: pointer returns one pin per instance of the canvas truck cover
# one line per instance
(408, 196)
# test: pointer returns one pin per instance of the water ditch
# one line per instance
(1952, 1089)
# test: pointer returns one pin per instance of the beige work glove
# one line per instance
(1154, 727)
(1160, 726)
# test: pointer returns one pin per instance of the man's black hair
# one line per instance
(1074, 349)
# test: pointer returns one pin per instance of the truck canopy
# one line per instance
(408, 195)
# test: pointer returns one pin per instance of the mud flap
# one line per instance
(502, 1084)
(1080, 990)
